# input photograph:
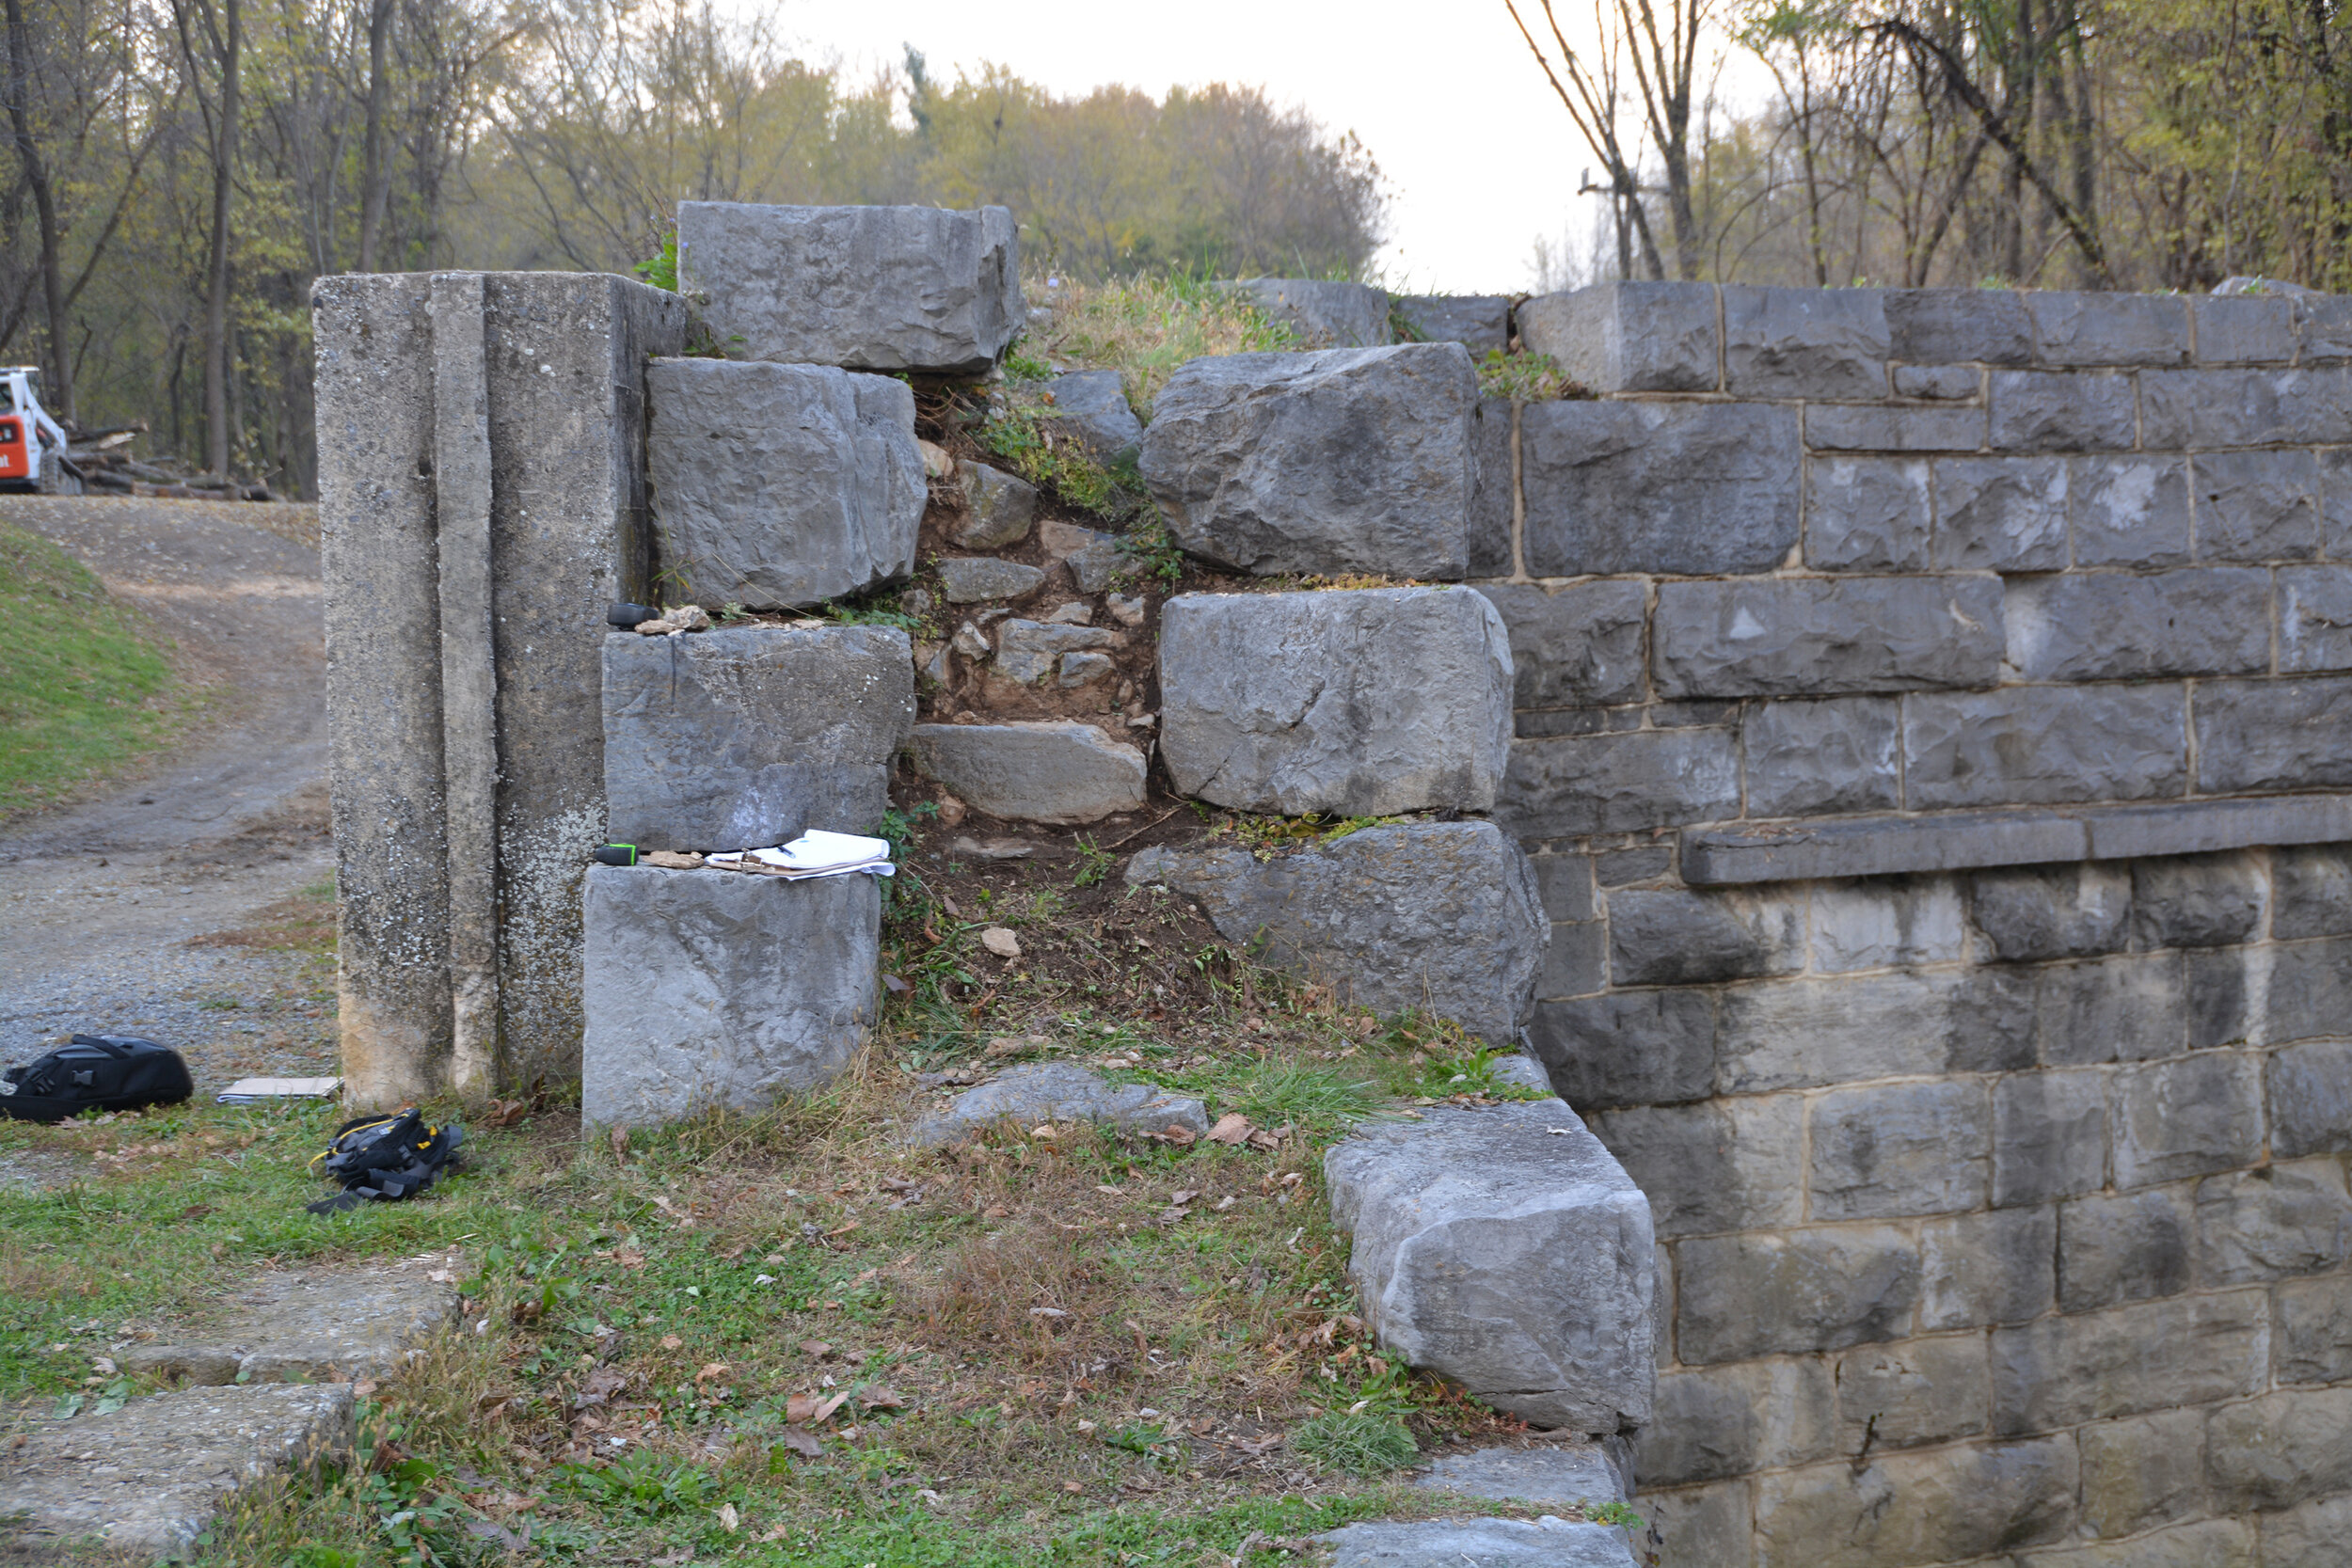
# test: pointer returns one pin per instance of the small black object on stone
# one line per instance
(627, 616)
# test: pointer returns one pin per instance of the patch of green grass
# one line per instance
(85, 686)
(1146, 327)
(1527, 378)
(1364, 1443)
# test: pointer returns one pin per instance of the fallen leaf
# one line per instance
(1001, 942)
(998, 1211)
(1224, 1203)
(630, 1260)
(1047, 1312)
(802, 1443)
(506, 1112)
(882, 1397)
(364, 1388)
(1264, 1141)
(843, 1230)
(671, 1341)
(711, 1370)
(1044, 1131)
(825, 1410)
(1232, 1128)
(1074, 1488)
(1183, 1196)
(729, 1518)
(618, 1138)
(816, 1348)
(1183, 1138)
(800, 1408)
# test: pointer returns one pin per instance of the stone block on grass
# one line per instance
(743, 739)
(999, 507)
(1347, 460)
(778, 486)
(1480, 323)
(1055, 770)
(1092, 408)
(1324, 312)
(1362, 702)
(1546, 1543)
(1056, 1092)
(870, 288)
(1505, 1250)
(721, 989)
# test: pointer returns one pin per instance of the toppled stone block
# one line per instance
(972, 578)
(1438, 916)
(1545, 1543)
(717, 990)
(1687, 488)
(744, 739)
(1028, 651)
(1058, 771)
(1092, 408)
(779, 485)
(1325, 313)
(142, 1483)
(1361, 702)
(1629, 337)
(1000, 507)
(1347, 460)
(1056, 1092)
(1505, 1250)
(870, 288)
(320, 1325)
(1480, 323)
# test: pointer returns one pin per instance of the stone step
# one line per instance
(309, 1326)
(1560, 1476)
(143, 1480)
(1545, 1543)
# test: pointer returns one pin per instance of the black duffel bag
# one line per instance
(95, 1072)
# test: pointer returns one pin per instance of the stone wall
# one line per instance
(1931, 713)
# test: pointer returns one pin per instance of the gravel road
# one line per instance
(106, 904)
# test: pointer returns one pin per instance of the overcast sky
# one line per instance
(1479, 156)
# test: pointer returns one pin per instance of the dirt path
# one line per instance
(142, 910)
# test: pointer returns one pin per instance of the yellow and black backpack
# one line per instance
(384, 1158)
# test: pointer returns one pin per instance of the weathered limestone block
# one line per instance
(1480, 323)
(2244, 329)
(1677, 487)
(2311, 892)
(1667, 936)
(2123, 1247)
(1000, 506)
(1605, 783)
(2273, 734)
(1840, 754)
(1092, 408)
(1439, 915)
(2311, 1535)
(1629, 336)
(1722, 1421)
(1809, 636)
(1943, 382)
(2000, 514)
(1505, 1250)
(2256, 505)
(1917, 1391)
(974, 578)
(1548, 1541)
(1056, 1092)
(2049, 1136)
(2129, 511)
(1028, 651)
(321, 1324)
(1324, 312)
(721, 989)
(2039, 744)
(740, 739)
(2311, 1098)
(2143, 1471)
(1629, 1048)
(1948, 326)
(1877, 427)
(2187, 1117)
(2121, 626)
(2283, 1449)
(1347, 460)
(2315, 618)
(1055, 770)
(1813, 1289)
(2085, 328)
(1725, 1164)
(1884, 922)
(1909, 1507)
(1561, 1475)
(1578, 647)
(2196, 900)
(868, 288)
(1804, 342)
(2291, 1218)
(2316, 1330)
(2058, 411)
(1361, 702)
(1868, 512)
(2068, 912)
(1494, 490)
(1991, 1268)
(1904, 1149)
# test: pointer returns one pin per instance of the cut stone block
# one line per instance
(1804, 342)
(1001, 508)
(870, 288)
(326, 1323)
(1361, 702)
(1565, 1475)
(1821, 635)
(778, 486)
(1576, 646)
(1545, 1543)
(974, 578)
(2122, 626)
(1058, 771)
(721, 989)
(1056, 1092)
(1946, 326)
(1505, 1250)
(143, 1481)
(1028, 651)
(1438, 916)
(744, 739)
(1688, 489)
(1091, 406)
(1348, 459)
(1325, 313)
(1629, 337)
(1480, 323)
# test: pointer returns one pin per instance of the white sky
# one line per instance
(1479, 157)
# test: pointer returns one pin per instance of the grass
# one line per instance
(1144, 328)
(85, 686)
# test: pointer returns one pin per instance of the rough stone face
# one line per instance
(1917, 1391)
(2311, 1098)
(1952, 382)
(1563, 1476)
(2308, 1536)
(1948, 326)
(1726, 1164)
(2049, 1137)
(1578, 647)
(2316, 1330)
(2129, 1246)
(1545, 1543)
(1325, 313)
(2088, 1365)
(1841, 754)
(1494, 490)
(1602, 784)
(2031, 744)
(2243, 408)
(778, 486)
(1821, 635)
(1669, 937)
(1868, 512)
(2083, 328)
(1905, 1149)
(1091, 405)
(1506, 1254)
(2311, 892)
(1629, 336)
(2287, 1219)
(2273, 734)
(2054, 912)
(740, 739)
(2283, 1449)
(1804, 342)
(1000, 508)
(1057, 771)
(1885, 922)
(2142, 1471)
(2116, 1009)
(870, 288)
(1910, 1508)
(1701, 1524)
(1056, 1092)
(2186, 1118)
(2244, 329)
(718, 988)
(1480, 323)
(2310, 992)
(2049, 411)
(1676, 487)
(974, 578)
(2121, 626)
(1724, 1421)
(2316, 618)
(1441, 915)
(324, 1324)
(1991, 1268)
(2129, 511)
(1876, 427)
(2256, 505)
(1347, 460)
(2000, 514)
(2196, 901)
(143, 1481)
(1629, 1048)
(1794, 1291)
(1361, 702)
(1028, 651)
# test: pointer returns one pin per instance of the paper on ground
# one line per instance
(247, 1090)
(818, 853)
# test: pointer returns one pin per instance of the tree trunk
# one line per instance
(60, 391)
(216, 346)
(375, 183)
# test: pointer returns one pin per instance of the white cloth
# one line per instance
(818, 853)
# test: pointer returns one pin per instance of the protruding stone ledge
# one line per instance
(1959, 841)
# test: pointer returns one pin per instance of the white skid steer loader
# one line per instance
(32, 445)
